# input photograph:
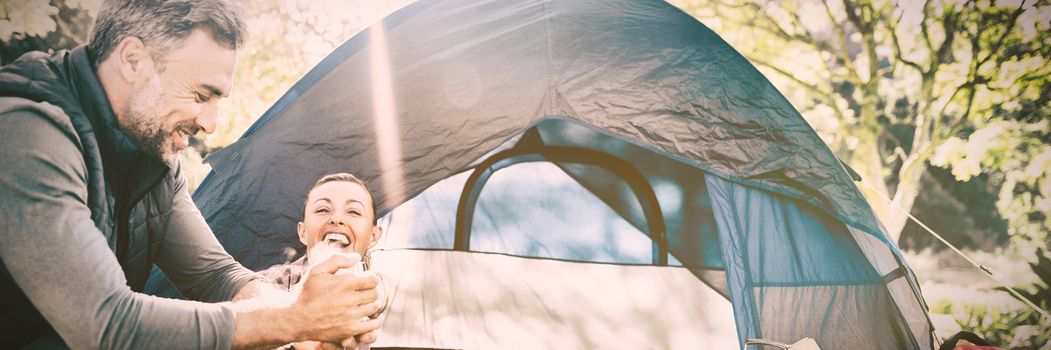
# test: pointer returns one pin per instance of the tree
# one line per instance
(1021, 148)
(892, 85)
(41, 26)
(965, 213)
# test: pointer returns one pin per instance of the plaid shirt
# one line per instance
(287, 275)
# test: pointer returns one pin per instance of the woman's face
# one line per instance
(339, 215)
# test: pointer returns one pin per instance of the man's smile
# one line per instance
(182, 139)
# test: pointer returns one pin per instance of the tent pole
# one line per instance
(987, 271)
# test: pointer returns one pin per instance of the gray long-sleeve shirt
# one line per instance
(58, 258)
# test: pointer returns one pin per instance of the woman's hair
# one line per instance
(345, 177)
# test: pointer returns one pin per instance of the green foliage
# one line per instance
(1022, 156)
(1039, 293)
(994, 314)
(1042, 294)
(1020, 328)
(1013, 329)
(888, 84)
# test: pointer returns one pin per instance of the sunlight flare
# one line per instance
(388, 138)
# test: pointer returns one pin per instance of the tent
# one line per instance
(573, 173)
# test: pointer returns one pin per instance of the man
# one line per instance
(339, 216)
(92, 195)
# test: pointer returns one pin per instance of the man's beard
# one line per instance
(144, 124)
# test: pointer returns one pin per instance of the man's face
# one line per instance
(339, 215)
(181, 99)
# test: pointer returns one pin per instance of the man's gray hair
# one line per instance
(163, 24)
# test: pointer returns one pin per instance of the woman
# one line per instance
(339, 217)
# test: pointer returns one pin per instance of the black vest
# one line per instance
(126, 203)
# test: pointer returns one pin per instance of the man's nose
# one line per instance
(208, 117)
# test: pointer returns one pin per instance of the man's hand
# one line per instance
(330, 308)
(335, 308)
(365, 340)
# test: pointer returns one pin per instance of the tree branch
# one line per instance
(852, 14)
(855, 16)
(827, 96)
(798, 23)
(995, 48)
(891, 25)
(869, 37)
(777, 28)
(924, 30)
(822, 46)
(765, 23)
(736, 5)
(955, 92)
(773, 28)
(1027, 77)
(957, 125)
(926, 125)
(973, 80)
(898, 153)
(843, 54)
(809, 86)
(914, 162)
(944, 52)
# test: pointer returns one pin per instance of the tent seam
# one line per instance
(549, 54)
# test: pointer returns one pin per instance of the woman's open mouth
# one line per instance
(336, 239)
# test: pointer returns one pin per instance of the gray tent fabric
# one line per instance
(755, 207)
(796, 259)
(641, 70)
(506, 302)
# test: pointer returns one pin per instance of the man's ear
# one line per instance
(302, 233)
(377, 232)
(134, 59)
